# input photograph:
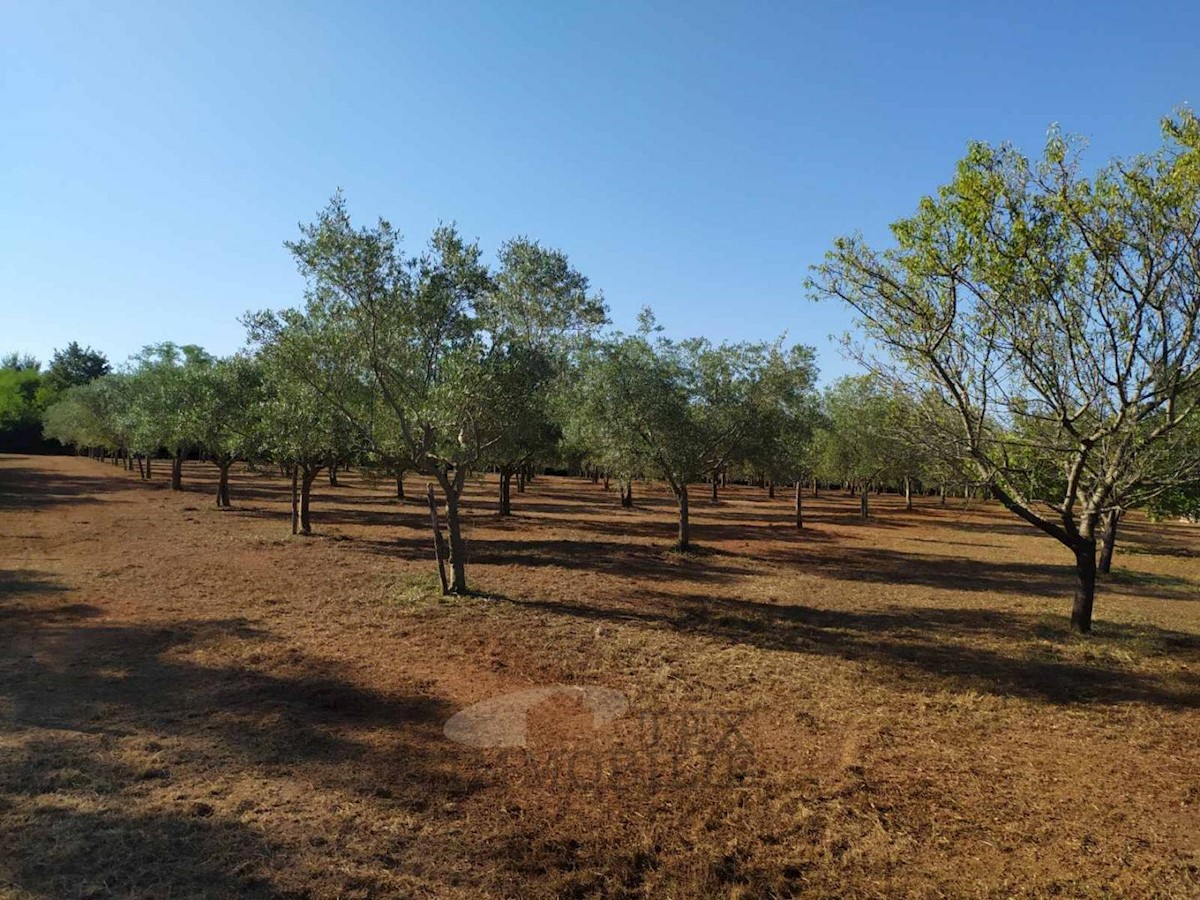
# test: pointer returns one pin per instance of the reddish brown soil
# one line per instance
(195, 703)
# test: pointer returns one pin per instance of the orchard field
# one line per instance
(193, 702)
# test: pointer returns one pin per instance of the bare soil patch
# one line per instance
(195, 703)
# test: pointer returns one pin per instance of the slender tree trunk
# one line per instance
(816, 487)
(942, 492)
(149, 457)
(799, 507)
(521, 481)
(333, 474)
(685, 531)
(606, 482)
(1085, 585)
(305, 495)
(505, 491)
(907, 493)
(458, 549)
(141, 468)
(715, 478)
(399, 484)
(627, 495)
(864, 511)
(177, 471)
(295, 499)
(223, 484)
(771, 489)
(1108, 540)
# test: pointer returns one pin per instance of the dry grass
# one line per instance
(194, 703)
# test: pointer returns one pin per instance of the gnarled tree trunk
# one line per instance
(506, 475)
(458, 549)
(310, 475)
(295, 498)
(1108, 540)
(685, 530)
(1085, 585)
(223, 483)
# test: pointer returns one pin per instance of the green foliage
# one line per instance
(683, 409)
(72, 367)
(19, 407)
(222, 406)
(161, 411)
(99, 414)
(1182, 502)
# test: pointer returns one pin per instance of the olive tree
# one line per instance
(161, 409)
(221, 412)
(537, 312)
(96, 415)
(1039, 303)
(407, 330)
(683, 408)
(780, 441)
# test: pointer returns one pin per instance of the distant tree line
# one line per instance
(27, 391)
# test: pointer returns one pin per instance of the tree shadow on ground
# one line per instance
(28, 487)
(73, 688)
(880, 566)
(942, 648)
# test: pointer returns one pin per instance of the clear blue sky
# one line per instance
(693, 157)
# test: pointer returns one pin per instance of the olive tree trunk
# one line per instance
(1085, 585)
(685, 531)
(295, 499)
(306, 483)
(223, 483)
(458, 549)
(506, 475)
(1108, 540)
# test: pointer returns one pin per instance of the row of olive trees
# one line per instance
(434, 363)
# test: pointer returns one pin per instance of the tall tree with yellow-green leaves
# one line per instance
(1046, 308)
